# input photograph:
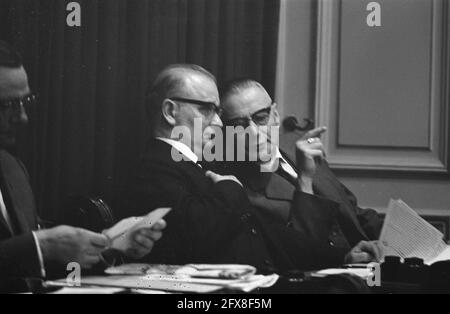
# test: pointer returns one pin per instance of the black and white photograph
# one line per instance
(220, 154)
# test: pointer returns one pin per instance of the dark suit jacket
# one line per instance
(215, 223)
(18, 253)
(357, 223)
(342, 225)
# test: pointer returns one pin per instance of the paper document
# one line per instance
(89, 290)
(227, 271)
(146, 283)
(122, 230)
(197, 278)
(443, 256)
(406, 234)
(172, 283)
(363, 273)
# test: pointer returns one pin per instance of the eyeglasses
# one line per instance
(261, 118)
(209, 109)
(17, 103)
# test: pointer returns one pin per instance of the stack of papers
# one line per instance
(218, 271)
(406, 234)
(193, 278)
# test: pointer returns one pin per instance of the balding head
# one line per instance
(246, 103)
(243, 97)
(176, 80)
(184, 97)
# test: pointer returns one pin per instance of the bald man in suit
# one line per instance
(213, 220)
(276, 179)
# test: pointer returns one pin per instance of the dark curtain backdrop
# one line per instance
(90, 124)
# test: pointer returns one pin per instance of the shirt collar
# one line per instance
(272, 165)
(181, 147)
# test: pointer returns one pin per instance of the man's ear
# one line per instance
(169, 110)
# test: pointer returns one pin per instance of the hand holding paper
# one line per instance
(406, 234)
(135, 236)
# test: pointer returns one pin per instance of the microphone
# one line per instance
(291, 124)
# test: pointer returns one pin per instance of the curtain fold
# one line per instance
(90, 124)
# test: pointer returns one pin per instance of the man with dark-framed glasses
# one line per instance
(26, 250)
(280, 185)
(212, 220)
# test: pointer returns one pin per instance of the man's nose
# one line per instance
(217, 121)
(253, 128)
(21, 116)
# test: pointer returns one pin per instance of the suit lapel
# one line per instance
(17, 193)
(278, 188)
(271, 185)
(5, 231)
(24, 217)
(162, 150)
(326, 184)
(271, 200)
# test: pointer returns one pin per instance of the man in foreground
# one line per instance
(26, 251)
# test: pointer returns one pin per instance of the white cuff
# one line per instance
(41, 258)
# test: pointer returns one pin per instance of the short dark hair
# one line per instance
(236, 86)
(169, 80)
(9, 56)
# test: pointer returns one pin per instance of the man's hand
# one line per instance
(216, 178)
(68, 244)
(308, 148)
(140, 242)
(317, 132)
(364, 252)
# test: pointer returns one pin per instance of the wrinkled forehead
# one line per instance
(245, 102)
(13, 83)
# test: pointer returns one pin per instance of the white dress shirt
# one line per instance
(279, 161)
(40, 256)
(5, 213)
(182, 148)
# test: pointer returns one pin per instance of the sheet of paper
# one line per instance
(135, 223)
(406, 234)
(444, 256)
(89, 290)
(176, 283)
(146, 283)
(363, 273)
(120, 232)
(258, 281)
(181, 284)
(226, 271)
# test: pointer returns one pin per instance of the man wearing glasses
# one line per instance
(212, 220)
(25, 251)
(280, 187)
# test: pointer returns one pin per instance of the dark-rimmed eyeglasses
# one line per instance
(209, 108)
(17, 103)
(260, 118)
